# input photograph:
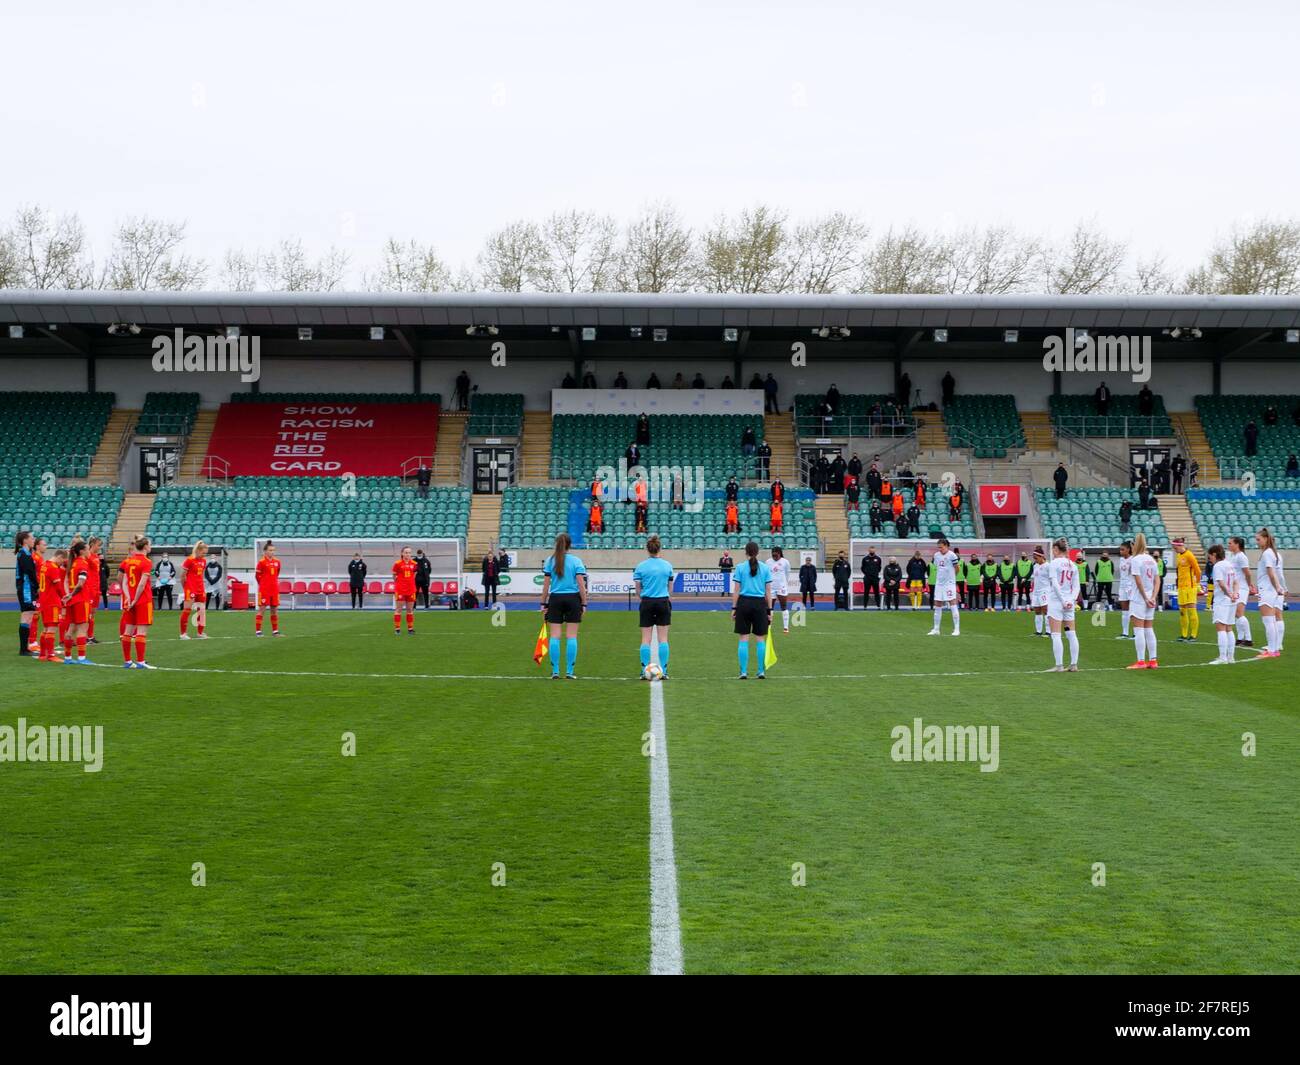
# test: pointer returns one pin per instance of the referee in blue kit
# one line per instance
(652, 578)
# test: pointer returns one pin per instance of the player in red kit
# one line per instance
(53, 589)
(404, 570)
(193, 597)
(77, 612)
(268, 589)
(94, 586)
(137, 603)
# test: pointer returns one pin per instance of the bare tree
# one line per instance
(988, 261)
(579, 252)
(239, 271)
(411, 267)
(10, 269)
(904, 261)
(658, 252)
(146, 256)
(823, 255)
(1260, 259)
(290, 269)
(1152, 277)
(513, 259)
(51, 252)
(745, 254)
(1088, 262)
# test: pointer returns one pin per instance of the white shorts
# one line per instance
(780, 591)
(1139, 610)
(1268, 597)
(1037, 599)
(1056, 613)
(945, 593)
(1125, 591)
(1225, 610)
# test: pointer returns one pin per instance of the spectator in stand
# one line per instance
(423, 572)
(732, 489)
(874, 481)
(838, 466)
(1146, 402)
(1292, 466)
(491, 573)
(423, 478)
(893, 576)
(954, 507)
(1194, 474)
(732, 521)
(462, 391)
(852, 494)
(855, 466)
(357, 570)
(900, 526)
(698, 382)
(948, 387)
(748, 441)
(725, 563)
(1295, 414)
(1144, 493)
(917, 571)
(778, 491)
(1178, 468)
(632, 455)
(621, 380)
(589, 379)
(1060, 476)
(1164, 476)
(1125, 515)
(642, 516)
(776, 515)
(833, 399)
(569, 381)
(764, 465)
(679, 492)
(871, 567)
(756, 381)
(679, 381)
(825, 416)
(104, 580)
(815, 475)
(905, 391)
(503, 561)
(808, 583)
(1252, 438)
(770, 404)
(1101, 399)
(641, 490)
(653, 380)
(1270, 415)
(596, 517)
(896, 505)
(914, 519)
(727, 382)
(887, 494)
(643, 428)
(876, 516)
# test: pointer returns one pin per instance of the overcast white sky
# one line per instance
(345, 122)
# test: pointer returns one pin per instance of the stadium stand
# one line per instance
(1224, 419)
(531, 516)
(934, 515)
(582, 443)
(1090, 517)
(313, 507)
(336, 397)
(1078, 414)
(1221, 513)
(56, 432)
(988, 424)
(858, 414)
(168, 413)
(683, 530)
(495, 414)
(90, 510)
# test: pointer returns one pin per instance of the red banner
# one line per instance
(323, 439)
(1000, 500)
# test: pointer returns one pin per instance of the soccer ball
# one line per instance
(652, 672)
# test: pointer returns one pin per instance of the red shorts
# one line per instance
(51, 614)
(141, 613)
(79, 613)
(403, 597)
(195, 597)
(268, 597)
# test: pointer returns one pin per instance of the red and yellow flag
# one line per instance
(543, 643)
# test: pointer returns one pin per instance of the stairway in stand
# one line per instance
(132, 520)
(1037, 425)
(104, 468)
(446, 458)
(1178, 520)
(778, 431)
(931, 434)
(484, 528)
(1189, 424)
(832, 526)
(535, 448)
(196, 448)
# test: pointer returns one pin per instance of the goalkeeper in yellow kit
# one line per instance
(1189, 587)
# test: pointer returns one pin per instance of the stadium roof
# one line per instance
(436, 324)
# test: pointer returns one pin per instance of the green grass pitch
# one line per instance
(230, 755)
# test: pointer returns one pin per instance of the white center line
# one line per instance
(665, 923)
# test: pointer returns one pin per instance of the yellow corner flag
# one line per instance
(539, 652)
(769, 658)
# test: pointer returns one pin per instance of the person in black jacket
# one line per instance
(1060, 476)
(871, 566)
(212, 574)
(808, 584)
(914, 518)
(357, 580)
(423, 569)
(841, 571)
(491, 570)
(893, 581)
(643, 429)
(104, 578)
(989, 578)
(876, 516)
(764, 464)
(732, 489)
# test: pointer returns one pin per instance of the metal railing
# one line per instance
(214, 468)
(163, 424)
(964, 436)
(1098, 459)
(74, 465)
(867, 425)
(1146, 426)
(439, 466)
(580, 474)
(496, 425)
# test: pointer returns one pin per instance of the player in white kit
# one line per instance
(945, 587)
(1236, 554)
(779, 567)
(1271, 582)
(1125, 588)
(1228, 589)
(1062, 596)
(1038, 592)
(1146, 594)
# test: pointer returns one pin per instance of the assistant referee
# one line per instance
(751, 607)
(653, 578)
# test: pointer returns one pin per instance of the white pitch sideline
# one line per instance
(665, 921)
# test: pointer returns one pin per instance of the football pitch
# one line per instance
(490, 820)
